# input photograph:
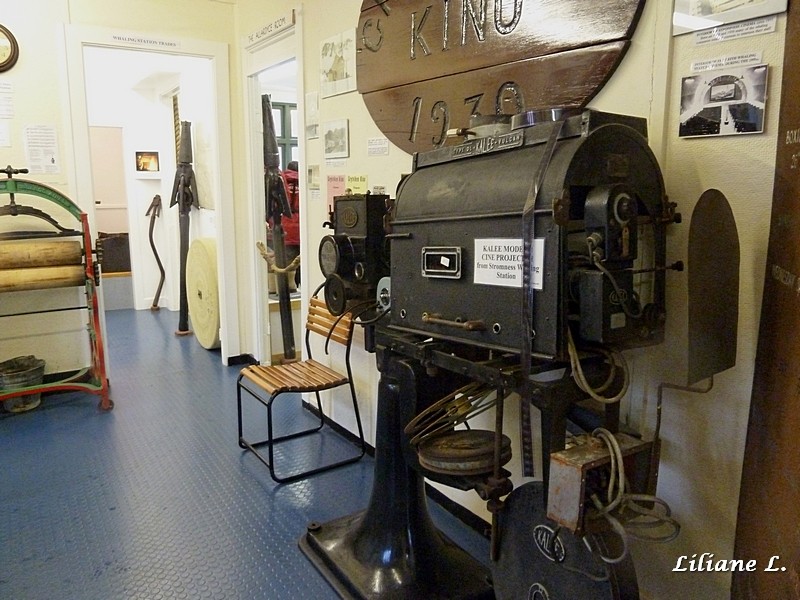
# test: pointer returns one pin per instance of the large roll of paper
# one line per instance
(202, 290)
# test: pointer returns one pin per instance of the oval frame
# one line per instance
(12, 58)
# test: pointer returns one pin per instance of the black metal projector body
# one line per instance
(456, 266)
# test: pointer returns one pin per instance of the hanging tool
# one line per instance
(154, 211)
(184, 194)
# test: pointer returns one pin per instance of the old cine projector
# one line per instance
(596, 232)
(597, 225)
(536, 245)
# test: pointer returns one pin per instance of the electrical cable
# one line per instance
(617, 361)
(591, 243)
(373, 320)
(367, 303)
(619, 501)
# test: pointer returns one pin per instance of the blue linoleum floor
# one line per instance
(155, 500)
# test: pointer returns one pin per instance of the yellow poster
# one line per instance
(357, 184)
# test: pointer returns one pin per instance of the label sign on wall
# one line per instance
(425, 67)
(498, 261)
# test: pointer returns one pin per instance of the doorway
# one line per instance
(278, 88)
(130, 96)
(271, 67)
(109, 74)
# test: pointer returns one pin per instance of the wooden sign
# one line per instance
(425, 67)
(274, 27)
(769, 503)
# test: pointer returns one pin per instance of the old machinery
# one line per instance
(40, 250)
(522, 262)
(457, 243)
(355, 257)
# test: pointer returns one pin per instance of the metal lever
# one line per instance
(676, 266)
(436, 319)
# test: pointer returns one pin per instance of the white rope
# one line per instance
(269, 256)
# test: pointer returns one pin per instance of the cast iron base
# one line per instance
(346, 556)
(392, 550)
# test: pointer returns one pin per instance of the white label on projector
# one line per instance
(498, 261)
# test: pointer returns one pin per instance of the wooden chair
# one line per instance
(300, 377)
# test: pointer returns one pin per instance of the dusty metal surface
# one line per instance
(467, 452)
(576, 472)
(534, 562)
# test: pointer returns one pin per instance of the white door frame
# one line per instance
(77, 127)
(257, 57)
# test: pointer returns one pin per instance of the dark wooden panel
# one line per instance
(416, 116)
(769, 504)
(406, 41)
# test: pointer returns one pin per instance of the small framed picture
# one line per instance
(728, 101)
(336, 138)
(147, 164)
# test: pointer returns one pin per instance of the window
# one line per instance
(285, 117)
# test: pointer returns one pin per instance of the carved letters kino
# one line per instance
(425, 66)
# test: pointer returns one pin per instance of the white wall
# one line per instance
(704, 435)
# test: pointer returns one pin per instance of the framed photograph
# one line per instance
(336, 137)
(313, 177)
(729, 101)
(337, 64)
(694, 15)
(147, 164)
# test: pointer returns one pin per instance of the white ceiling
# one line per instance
(281, 78)
(114, 68)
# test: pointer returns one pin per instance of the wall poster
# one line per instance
(693, 15)
(336, 139)
(726, 101)
(337, 64)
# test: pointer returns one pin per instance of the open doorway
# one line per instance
(270, 67)
(133, 99)
(108, 74)
(278, 90)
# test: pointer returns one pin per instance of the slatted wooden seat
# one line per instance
(266, 383)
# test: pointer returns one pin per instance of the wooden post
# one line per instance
(769, 503)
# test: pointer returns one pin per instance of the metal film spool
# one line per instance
(463, 452)
(537, 559)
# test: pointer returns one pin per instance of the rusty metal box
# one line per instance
(584, 469)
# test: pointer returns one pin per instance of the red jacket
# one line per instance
(291, 225)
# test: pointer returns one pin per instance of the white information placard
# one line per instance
(498, 261)
(41, 149)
